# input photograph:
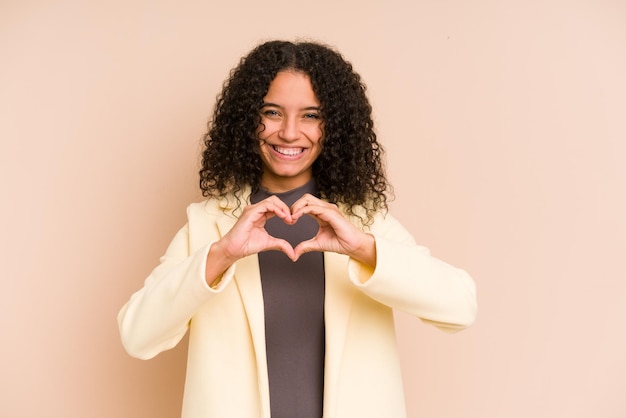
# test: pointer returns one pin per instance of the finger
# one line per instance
(308, 246)
(283, 246)
(305, 201)
(273, 206)
(324, 212)
(300, 249)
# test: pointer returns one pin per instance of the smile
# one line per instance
(288, 151)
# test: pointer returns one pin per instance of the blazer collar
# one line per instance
(247, 278)
(233, 203)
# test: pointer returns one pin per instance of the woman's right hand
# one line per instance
(248, 236)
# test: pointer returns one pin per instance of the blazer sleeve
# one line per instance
(157, 316)
(407, 277)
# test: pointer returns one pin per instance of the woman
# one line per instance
(286, 276)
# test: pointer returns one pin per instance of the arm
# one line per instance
(408, 278)
(156, 317)
(389, 267)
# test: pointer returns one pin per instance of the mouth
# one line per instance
(289, 152)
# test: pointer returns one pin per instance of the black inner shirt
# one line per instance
(293, 296)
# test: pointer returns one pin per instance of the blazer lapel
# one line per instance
(248, 281)
(338, 305)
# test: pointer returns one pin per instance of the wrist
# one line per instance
(219, 253)
(218, 261)
(366, 252)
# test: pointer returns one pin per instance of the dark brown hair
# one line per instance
(350, 168)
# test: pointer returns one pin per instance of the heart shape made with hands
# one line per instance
(309, 224)
(318, 226)
(304, 229)
(289, 235)
(271, 225)
(321, 227)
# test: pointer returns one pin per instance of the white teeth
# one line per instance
(288, 151)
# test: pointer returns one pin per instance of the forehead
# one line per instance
(291, 87)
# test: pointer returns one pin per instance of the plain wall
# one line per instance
(505, 136)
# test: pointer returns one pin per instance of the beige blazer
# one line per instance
(227, 370)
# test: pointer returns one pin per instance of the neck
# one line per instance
(282, 185)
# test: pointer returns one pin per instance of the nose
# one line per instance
(290, 129)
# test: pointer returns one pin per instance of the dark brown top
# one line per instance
(293, 295)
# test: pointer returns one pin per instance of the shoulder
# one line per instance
(382, 224)
(229, 205)
(371, 221)
(209, 206)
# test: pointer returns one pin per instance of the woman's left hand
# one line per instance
(335, 234)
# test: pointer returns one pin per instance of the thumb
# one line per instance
(283, 246)
(305, 247)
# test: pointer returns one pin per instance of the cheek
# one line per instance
(318, 147)
(315, 134)
(267, 128)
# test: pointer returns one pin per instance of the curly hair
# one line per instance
(350, 168)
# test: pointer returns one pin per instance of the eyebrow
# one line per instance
(269, 104)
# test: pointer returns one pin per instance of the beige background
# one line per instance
(505, 129)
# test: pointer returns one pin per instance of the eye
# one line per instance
(314, 116)
(270, 113)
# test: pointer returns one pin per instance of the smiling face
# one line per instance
(290, 132)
